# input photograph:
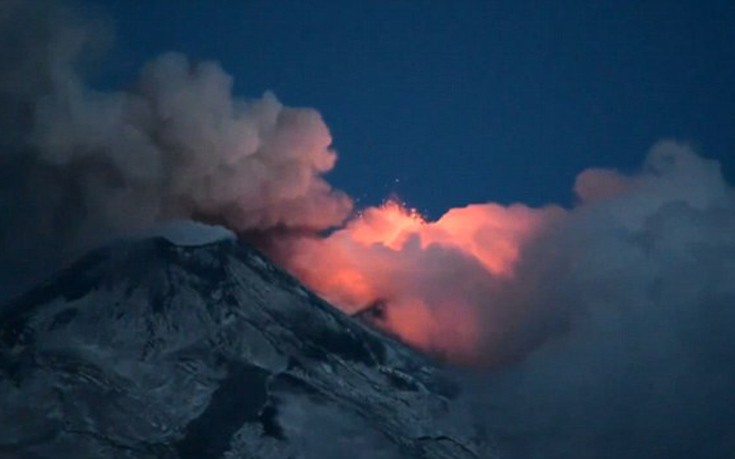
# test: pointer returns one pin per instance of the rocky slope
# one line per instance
(151, 350)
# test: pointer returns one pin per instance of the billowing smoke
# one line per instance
(644, 271)
(487, 283)
(81, 165)
(607, 325)
(450, 287)
(605, 329)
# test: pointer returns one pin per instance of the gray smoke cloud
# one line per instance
(642, 272)
(80, 166)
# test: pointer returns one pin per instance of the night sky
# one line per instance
(447, 103)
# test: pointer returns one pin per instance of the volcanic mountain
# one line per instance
(148, 349)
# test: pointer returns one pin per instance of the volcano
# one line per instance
(148, 349)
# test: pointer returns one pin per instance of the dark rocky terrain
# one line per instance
(146, 349)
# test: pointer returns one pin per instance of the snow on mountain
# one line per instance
(147, 349)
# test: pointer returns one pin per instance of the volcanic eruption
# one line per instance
(483, 284)
(598, 328)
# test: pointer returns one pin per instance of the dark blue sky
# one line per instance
(466, 101)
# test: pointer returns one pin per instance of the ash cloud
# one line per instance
(485, 284)
(80, 166)
(643, 274)
(605, 329)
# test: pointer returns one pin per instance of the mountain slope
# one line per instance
(148, 349)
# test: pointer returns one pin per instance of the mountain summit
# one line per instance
(146, 349)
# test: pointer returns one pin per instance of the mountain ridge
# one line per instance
(166, 334)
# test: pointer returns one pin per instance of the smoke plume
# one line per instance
(487, 283)
(604, 329)
(607, 325)
(82, 165)
(645, 270)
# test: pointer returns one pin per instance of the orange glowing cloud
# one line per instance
(486, 283)
(434, 278)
